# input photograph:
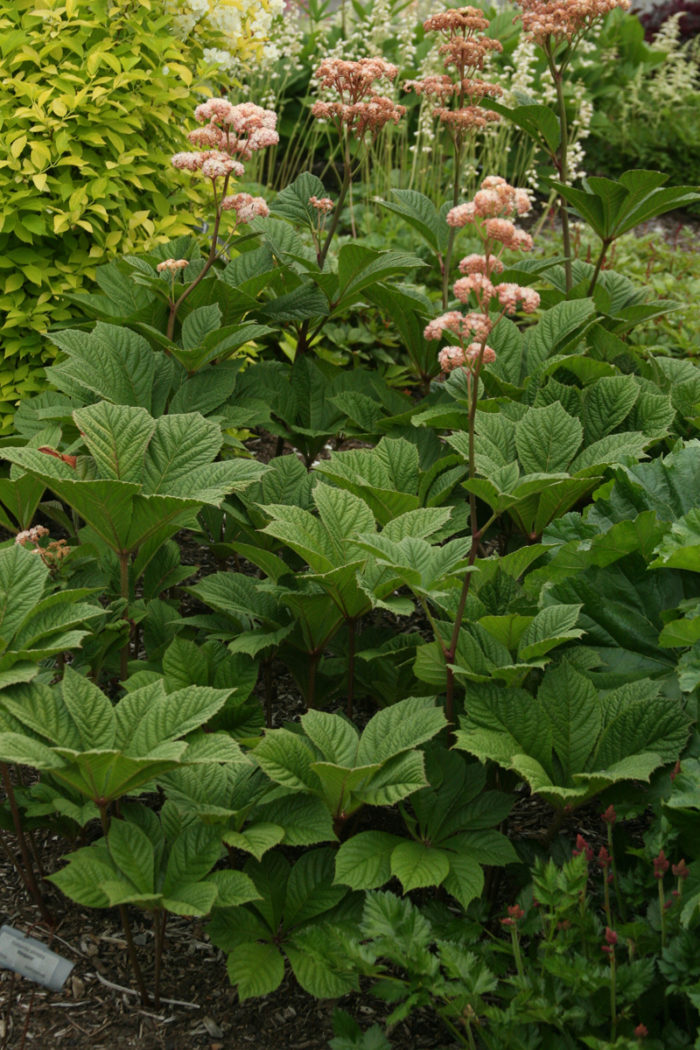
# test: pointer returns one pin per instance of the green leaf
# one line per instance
(255, 969)
(23, 577)
(91, 711)
(196, 898)
(82, 878)
(547, 439)
(132, 852)
(336, 739)
(198, 324)
(415, 864)
(14, 747)
(465, 880)
(287, 759)
(292, 202)
(539, 121)
(420, 213)
(570, 702)
(192, 856)
(310, 888)
(398, 728)
(117, 436)
(257, 839)
(233, 888)
(180, 445)
(363, 862)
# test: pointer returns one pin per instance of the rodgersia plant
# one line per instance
(490, 214)
(458, 93)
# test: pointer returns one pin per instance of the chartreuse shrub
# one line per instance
(89, 96)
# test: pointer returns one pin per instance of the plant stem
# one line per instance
(515, 941)
(562, 162)
(351, 667)
(124, 591)
(27, 875)
(451, 650)
(311, 686)
(303, 338)
(621, 907)
(159, 921)
(662, 911)
(613, 997)
(599, 265)
(124, 917)
(211, 259)
(452, 233)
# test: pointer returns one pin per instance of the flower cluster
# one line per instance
(229, 132)
(51, 554)
(172, 265)
(240, 130)
(359, 109)
(245, 206)
(32, 535)
(546, 21)
(488, 212)
(515, 913)
(322, 204)
(464, 52)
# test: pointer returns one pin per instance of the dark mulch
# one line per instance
(98, 1010)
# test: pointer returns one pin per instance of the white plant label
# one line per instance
(32, 959)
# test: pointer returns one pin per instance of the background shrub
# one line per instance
(92, 100)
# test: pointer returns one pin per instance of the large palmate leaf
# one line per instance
(571, 741)
(111, 363)
(241, 802)
(105, 751)
(258, 936)
(535, 464)
(346, 769)
(389, 478)
(135, 864)
(609, 560)
(143, 478)
(452, 835)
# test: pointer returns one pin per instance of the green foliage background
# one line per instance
(92, 98)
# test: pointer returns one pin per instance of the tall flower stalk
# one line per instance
(458, 94)
(557, 27)
(358, 114)
(230, 135)
(490, 214)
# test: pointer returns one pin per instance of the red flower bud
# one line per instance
(610, 816)
(603, 857)
(641, 1031)
(661, 865)
(610, 936)
(681, 869)
(582, 847)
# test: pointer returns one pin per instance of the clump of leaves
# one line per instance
(571, 741)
